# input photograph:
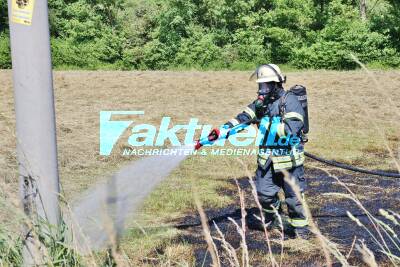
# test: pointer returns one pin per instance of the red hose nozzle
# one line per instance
(212, 136)
(198, 145)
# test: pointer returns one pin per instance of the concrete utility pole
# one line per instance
(35, 117)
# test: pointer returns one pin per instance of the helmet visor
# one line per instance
(265, 88)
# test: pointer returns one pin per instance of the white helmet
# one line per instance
(268, 73)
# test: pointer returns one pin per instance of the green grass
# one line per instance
(55, 249)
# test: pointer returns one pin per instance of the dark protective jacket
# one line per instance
(283, 115)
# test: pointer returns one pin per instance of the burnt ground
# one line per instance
(329, 213)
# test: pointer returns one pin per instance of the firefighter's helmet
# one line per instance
(268, 73)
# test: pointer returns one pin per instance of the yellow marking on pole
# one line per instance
(22, 11)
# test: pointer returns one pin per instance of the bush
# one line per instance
(3, 15)
(154, 55)
(5, 52)
(280, 44)
(67, 53)
(199, 50)
(159, 34)
(344, 34)
(250, 46)
(323, 55)
(391, 58)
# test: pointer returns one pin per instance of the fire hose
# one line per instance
(351, 168)
(218, 134)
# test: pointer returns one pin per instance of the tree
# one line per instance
(363, 9)
(3, 16)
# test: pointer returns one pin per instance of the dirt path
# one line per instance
(329, 213)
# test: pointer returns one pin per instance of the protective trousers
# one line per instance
(269, 183)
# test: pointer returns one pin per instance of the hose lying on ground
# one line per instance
(350, 167)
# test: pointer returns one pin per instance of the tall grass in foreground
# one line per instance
(383, 234)
(50, 247)
(47, 244)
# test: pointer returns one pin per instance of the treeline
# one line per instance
(218, 34)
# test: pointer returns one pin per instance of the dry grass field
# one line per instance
(354, 119)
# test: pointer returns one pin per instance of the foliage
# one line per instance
(5, 57)
(217, 34)
(3, 15)
(344, 34)
(10, 250)
(56, 249)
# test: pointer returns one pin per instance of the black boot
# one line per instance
(253, 220)
(297, 232)
(253, 223)
(303, 233)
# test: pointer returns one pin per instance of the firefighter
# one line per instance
(274, 103)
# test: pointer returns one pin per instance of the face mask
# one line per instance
(266, 89)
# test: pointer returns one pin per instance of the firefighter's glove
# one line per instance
(214, 134)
